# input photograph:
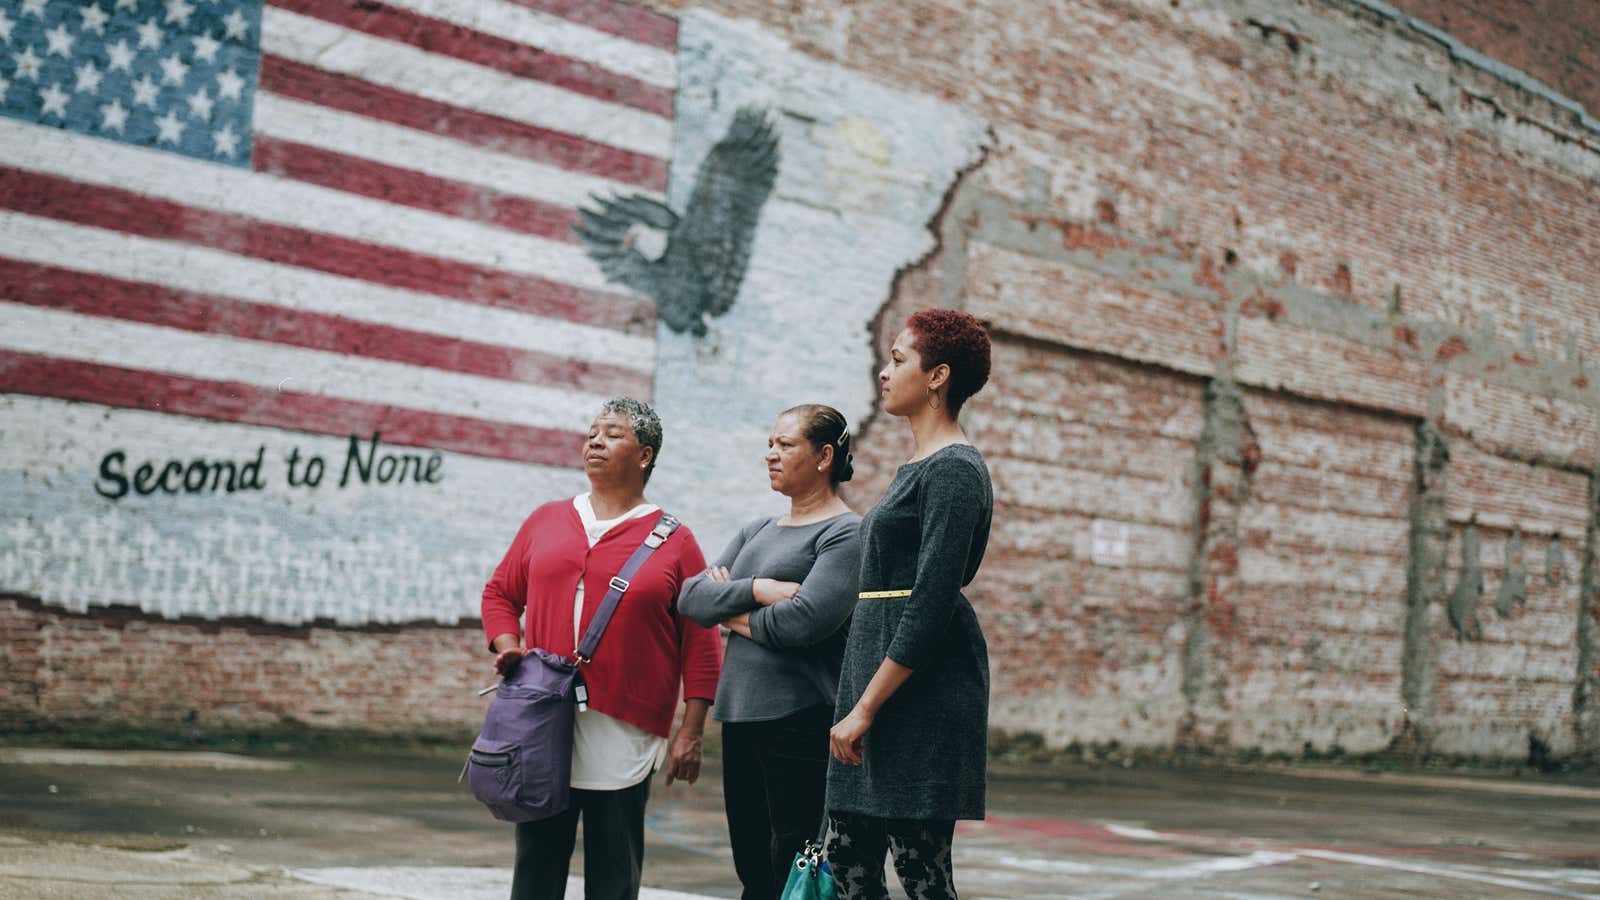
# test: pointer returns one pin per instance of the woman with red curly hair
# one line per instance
(912, 718)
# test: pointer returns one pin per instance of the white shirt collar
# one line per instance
(595, 528)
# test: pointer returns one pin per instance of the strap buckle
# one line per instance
(656, 537)
(663, 530)
(619, 584)
(580, 658)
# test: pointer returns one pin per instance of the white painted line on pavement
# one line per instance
(1197, 869)
(1139, 834)
(1359, 859)
(149, 759)
(1498, 877)
(446, 883)
(1204, 867)
(988, 861)
(1576, 876)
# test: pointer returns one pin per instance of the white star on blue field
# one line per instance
(177, 75)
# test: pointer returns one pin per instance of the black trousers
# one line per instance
(613, 847)
(774, 775)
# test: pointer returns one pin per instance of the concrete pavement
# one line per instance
(116, 824)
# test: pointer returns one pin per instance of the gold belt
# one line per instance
(881, 595)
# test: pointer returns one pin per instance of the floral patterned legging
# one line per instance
(921, 850)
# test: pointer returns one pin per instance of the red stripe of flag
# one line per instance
(29, 373)
(45, 286)
(544, 145)
(447, 39)
(638, 25)
(407, 187)
(103, 207)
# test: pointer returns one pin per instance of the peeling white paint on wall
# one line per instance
(864, 170)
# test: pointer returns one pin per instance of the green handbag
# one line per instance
(809, 875)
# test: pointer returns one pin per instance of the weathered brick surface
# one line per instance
(1509, 674)
(1310, 363)
(1317, 640)
(1076, 307)
(1505, 493)
(1081, 651)
(1515, 680)
(1586, 693)
(117, 665)
(1552, 40)
(1504, 213)
(1343, 195)
(1522, 425)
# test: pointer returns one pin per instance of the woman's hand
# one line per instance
(508, 660)
(683, 757)
(508, 653)
(767, 591)
(844, 739)
(717, 573)
(739, 625)
(683, 753)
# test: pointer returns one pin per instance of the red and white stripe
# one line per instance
(398, 258)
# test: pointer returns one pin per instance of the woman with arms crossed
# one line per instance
(910, 745)
(554, 576)
(784, 587)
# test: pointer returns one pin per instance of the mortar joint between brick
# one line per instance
(1586, 686)
(1015, 226)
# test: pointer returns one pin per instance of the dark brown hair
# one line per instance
(824, 426)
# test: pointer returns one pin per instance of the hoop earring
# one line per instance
(933, 398)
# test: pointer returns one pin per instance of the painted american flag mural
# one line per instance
(239, 238)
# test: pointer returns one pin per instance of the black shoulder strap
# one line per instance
(619, 585)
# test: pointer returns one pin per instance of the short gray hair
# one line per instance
(645, 423)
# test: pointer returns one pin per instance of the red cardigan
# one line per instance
(647, 648)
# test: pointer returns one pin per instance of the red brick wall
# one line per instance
(118, 666)
(1555, 41)
(1517, 679)
(1317, 624)
(1083, 651)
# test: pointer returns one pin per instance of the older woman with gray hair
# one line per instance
(544, 594)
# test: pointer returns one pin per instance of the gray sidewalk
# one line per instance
(123, 824)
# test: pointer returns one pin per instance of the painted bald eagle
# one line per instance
(691, 264)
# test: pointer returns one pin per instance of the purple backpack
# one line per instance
(521, 764)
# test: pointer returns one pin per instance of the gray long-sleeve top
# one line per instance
(925, 756)
(791, 661)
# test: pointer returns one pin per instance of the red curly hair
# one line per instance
(958, 340)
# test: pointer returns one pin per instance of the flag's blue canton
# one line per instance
(177, 75)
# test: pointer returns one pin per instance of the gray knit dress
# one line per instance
(926, 755)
